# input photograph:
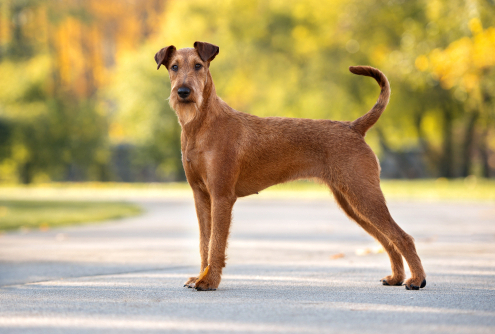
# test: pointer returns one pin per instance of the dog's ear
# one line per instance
(162, 57)
(206, 51)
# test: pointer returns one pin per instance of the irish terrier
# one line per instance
(229, 154)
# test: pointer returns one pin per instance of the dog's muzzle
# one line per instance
(184, 92)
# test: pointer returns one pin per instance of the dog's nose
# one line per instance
(184, 92)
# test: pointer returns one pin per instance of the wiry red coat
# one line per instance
(229, 154)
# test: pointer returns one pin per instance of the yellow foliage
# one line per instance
(422, 63)
(484, 49)
(83, 54)
(17, 80)
(462, 63)
(380, 53)
(277, 58)
(475, 25)
(116, 132)
(434, 9)
(8, 171)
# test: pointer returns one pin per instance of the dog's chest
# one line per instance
(195, 159)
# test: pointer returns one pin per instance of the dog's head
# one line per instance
(188, 70)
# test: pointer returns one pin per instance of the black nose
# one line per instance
(184, 92)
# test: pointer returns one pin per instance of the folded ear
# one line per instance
(206, 51)
(162, 57)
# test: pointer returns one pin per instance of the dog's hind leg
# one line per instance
(398, 275)
(368, 202)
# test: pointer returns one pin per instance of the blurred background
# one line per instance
(87, 135)
(81, 99)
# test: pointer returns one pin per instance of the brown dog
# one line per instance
(229, 154)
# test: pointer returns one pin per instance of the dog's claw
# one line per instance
(384, 282)
(201, 289)
(412, 287)
(415, 287)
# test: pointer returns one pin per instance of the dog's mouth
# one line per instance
(185, 101)
(176, 98)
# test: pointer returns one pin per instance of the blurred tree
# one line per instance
(466, 67)
(144, 118)
(290, 59)
(82, 98)
(54, 57)
(445, 113)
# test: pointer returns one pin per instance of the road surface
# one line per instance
(295, 266)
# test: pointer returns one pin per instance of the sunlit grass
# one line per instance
(43, 215)
(470, 188)
(467, 189)
(42, 206)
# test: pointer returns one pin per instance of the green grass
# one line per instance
(85, 202)
(16, 214)
(467, 189)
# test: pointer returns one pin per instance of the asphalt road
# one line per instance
(295, 266)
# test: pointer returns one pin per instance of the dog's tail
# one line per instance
(363, 123)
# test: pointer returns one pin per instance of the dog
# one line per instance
(229, 154)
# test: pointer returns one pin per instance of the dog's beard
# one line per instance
(186, 111)
(199, 102)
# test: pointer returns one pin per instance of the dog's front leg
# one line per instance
(221, 214)
(202, 202)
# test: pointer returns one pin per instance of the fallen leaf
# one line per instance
(337, 256)
(363, 251)
(378, 249)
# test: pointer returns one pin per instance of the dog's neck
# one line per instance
(193, 115)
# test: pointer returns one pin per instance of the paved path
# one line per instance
(283, 273)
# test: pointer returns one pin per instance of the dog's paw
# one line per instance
(190, 283)
(208, 280)
(392, 281)
(415, 283)
(206, 285)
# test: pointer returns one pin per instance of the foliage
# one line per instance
(55, 57)
(84, 100)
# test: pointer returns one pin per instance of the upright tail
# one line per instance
(363, 123)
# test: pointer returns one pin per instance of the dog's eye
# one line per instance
(175, 68)
(198, 66)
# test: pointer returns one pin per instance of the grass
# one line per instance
(467, 189)
(55, 204)
(43, 215)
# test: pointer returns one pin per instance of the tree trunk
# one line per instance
(484, 156)
(487, 110)
(430, 157)
(467, 156)
(447, 160)
(26, 173)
